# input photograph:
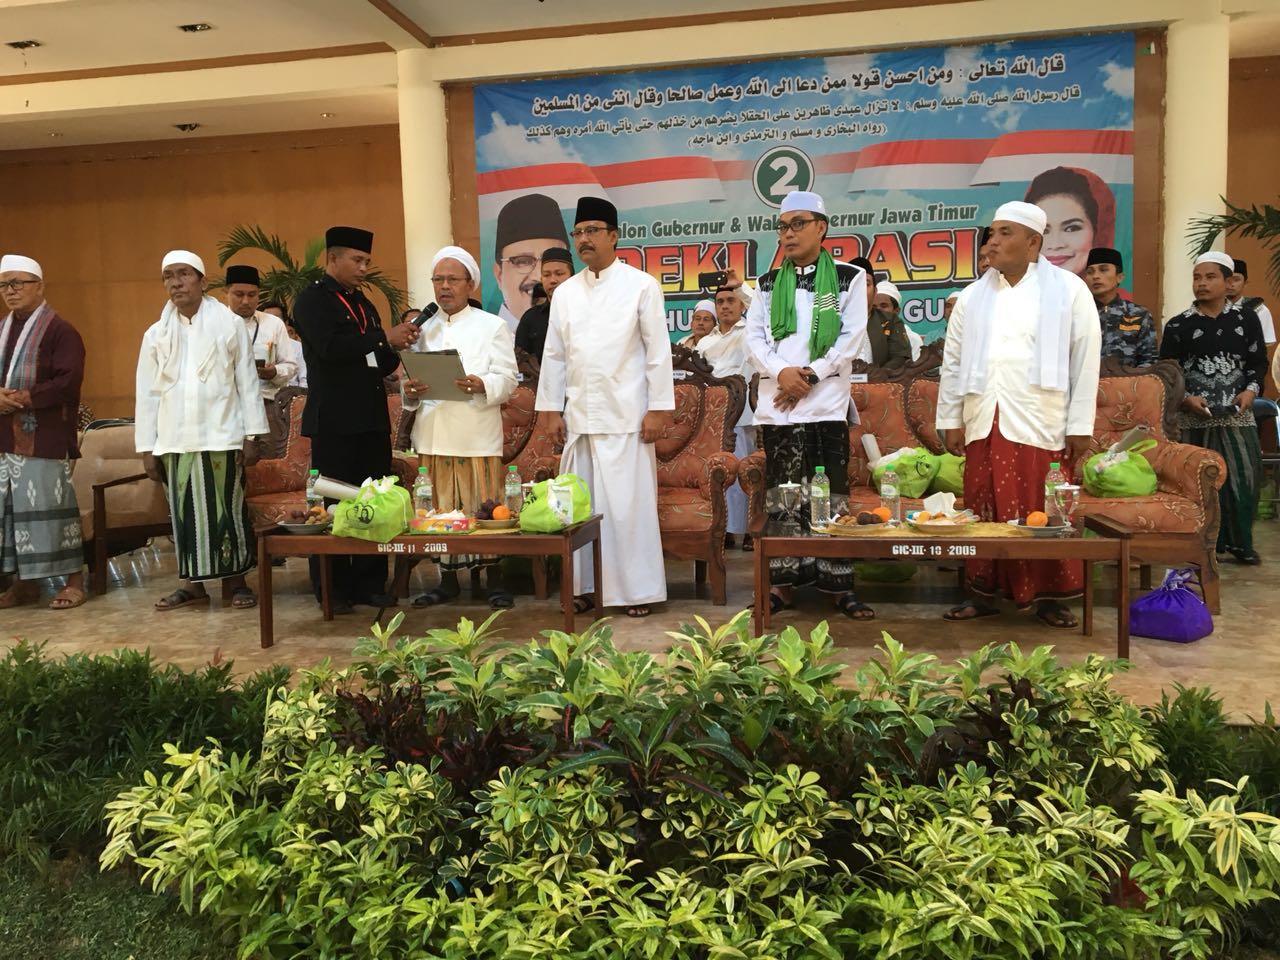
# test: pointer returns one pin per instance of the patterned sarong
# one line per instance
(39, 518)
(463, 483)
(1238, 497)
(210, 516)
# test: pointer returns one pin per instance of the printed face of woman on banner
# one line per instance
(1081, 212)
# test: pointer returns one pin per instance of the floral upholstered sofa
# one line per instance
(1176, 524)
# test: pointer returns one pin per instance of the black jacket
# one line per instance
(887, 334)
(531, 334)
(344, 394)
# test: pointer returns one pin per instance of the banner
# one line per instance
(912, 151)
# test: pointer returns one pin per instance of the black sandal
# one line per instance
(434, 598)
(243, 598)
(980, 610)
(777, 604)
(501, 600)
(854, 609)
(1057, 616)
(638, 611)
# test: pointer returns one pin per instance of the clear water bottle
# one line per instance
(889, 498)
(313, 499)
(423, 497)
(1052, 480)
(513, 494)
(820, 498)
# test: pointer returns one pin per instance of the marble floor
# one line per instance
(1241, 660)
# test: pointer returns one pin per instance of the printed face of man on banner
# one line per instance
(528, 226)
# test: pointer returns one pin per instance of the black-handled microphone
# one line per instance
(429, 311)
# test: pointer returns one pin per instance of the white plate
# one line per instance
(1054, 530)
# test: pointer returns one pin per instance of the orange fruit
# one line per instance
(883, 513)
(924, 516)
(501, 512)
(1037, 519)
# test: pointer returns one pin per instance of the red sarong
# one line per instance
(1003, 481)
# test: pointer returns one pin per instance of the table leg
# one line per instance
(597, 568)
(266, 630)
(1087, 618)
(1122, 602)
(758, 597)
(765, 588)
(566, 586)
(539, 578)
(326, 585)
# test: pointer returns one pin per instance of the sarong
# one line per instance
(463, 483)
(792, 455)
(1238, 497)
(1004, 481)
(40, 525)
(210, 516)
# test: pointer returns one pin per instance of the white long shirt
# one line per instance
(269, 340)
(607, 359)
(1028, 414)
(728, 356)
(212, 401)
(466, 428)
(828, 399)
(299, 378)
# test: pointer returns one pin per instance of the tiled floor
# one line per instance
(1241, 660)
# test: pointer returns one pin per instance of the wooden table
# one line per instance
(279, 543)
(1112, 545)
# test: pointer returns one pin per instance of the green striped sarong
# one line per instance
(39, 518)
(210, 516)
(1238, 497)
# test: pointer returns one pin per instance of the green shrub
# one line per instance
(456, 795)
(75, 732)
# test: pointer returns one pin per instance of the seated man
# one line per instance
(1128, 332)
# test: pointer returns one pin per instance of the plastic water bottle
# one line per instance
(423, 498)
(820, 499)
(313, 499)
(1052, 480)
(889, 498)
(513, 494)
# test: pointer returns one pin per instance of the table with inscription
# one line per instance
(1110, 545)
(563, 543)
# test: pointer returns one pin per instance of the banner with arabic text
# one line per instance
(912, 150)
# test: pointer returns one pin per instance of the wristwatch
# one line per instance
(812, 379)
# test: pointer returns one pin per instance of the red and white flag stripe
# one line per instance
(1019, 157)
(918, 165)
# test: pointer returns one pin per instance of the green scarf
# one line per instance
(826, 305)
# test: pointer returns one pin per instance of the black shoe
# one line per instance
(1249, 559)
(379, 600)
(278, 561)
(748, 544)
(729, 542)
(341, 607)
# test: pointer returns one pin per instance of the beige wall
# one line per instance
(99, 219)
(1253, 171)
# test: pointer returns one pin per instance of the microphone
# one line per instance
(429, 311)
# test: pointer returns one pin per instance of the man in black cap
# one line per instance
(527, 227)
(1128, 331)
(557, 267)
(1235, 294)
(268, 336)
(605, 380)
(347, 354)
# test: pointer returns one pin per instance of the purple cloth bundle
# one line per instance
(1171, 612)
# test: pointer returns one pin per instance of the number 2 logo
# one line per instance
(780, 171)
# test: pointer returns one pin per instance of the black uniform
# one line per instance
(531, 334)
(346, 412)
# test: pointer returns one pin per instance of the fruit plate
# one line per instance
(942, 527)
(507, 524)
(1052, 530)
(303, 529)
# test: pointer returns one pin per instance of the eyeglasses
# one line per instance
(523, 262)
(581, 232)
(16, 285)
(450, 281)
(795, 225)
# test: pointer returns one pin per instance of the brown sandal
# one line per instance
(181, 597)
(68, 598)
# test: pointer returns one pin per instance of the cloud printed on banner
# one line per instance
(1119, 80)
(960, 61)
(508, 145)
(1006, 116)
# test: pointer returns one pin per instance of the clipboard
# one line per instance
(438, 369)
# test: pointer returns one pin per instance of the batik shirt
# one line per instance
(1128, 333)
(1220, 356)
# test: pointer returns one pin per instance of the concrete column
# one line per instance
(424, 168)
(1195, 141)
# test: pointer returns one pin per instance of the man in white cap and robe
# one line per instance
(603, 387)
(41, 368)
(726, 350)
(1222, 349)
(460, 442)
(1018, 392)
(806, 324)
(701, 325)
(198, 415)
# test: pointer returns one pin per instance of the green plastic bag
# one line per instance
(915, 470)
(890, 572)
(1131, 477)
(1266, 500)
(950, 476)
(379, 512)
(543, 513)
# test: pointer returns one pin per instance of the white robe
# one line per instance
(727, 354)
(269, 340)
(606, 363)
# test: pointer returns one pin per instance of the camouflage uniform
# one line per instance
(1128, 333)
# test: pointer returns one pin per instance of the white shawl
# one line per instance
(1052, 350)
(203, 342)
